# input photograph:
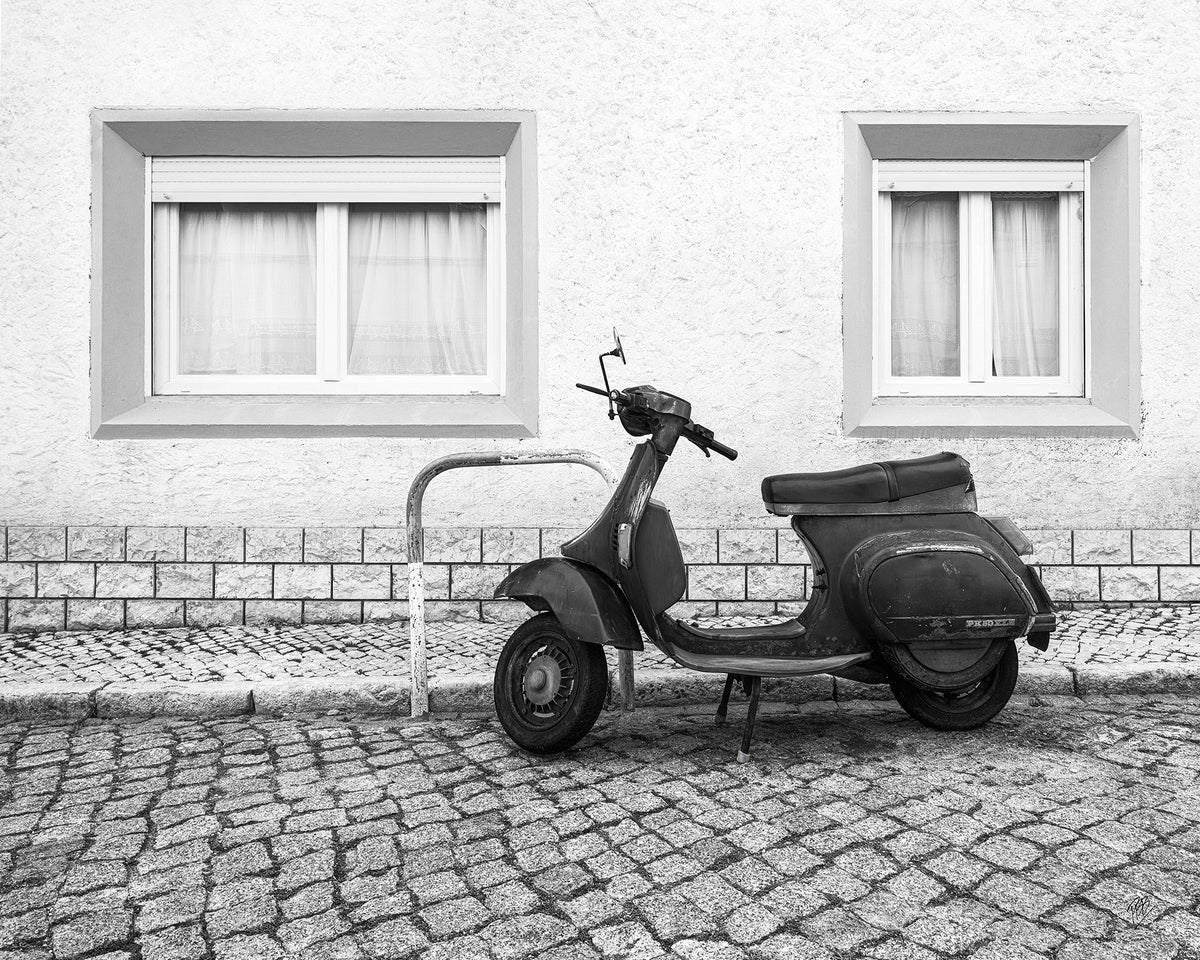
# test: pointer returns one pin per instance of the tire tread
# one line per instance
(581, 716)
(926, 708)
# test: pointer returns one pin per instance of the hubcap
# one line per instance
(543, 679)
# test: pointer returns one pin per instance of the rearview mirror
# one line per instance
(618, 350)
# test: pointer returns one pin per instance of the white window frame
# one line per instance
(974, 182)
(331, 185)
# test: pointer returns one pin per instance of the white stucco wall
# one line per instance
(690, 168)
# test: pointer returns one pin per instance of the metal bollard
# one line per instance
(418, 663)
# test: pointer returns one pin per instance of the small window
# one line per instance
(980, 284)
(327, 276)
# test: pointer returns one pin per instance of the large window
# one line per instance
(327, 276)
(990, 275)
(980, 286)
(314, 273)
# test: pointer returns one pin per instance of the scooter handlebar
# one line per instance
(703, 438)
(584, 386)
(716, 446)
(700, 436)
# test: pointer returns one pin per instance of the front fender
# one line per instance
(586, 602)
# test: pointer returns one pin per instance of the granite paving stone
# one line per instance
(1066, 828)
(579, 854)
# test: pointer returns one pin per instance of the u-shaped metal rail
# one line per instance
(418, 664)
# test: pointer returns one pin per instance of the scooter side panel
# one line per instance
(586, 603)
(842, 616)
(942, 589)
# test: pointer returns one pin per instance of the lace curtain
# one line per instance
(247, 289)
(417, 297)
(418, 290)
(925, 285)
(1025, 320)
(1025, 294)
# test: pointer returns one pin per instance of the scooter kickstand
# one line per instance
(755, 687)
(723, 709)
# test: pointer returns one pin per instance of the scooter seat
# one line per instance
(896, 482)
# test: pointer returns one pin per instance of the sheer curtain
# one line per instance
(418, 289)
(925, 334)
(247, 289)
(1025, 267)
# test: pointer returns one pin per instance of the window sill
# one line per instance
(299, 416)
(987, 418)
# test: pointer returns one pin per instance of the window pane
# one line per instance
(247, 289)
(1025, 328)
(925, 285)
(418, 289)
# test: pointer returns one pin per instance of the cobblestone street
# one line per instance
(1066, 828)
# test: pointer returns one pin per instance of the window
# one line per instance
(287, 276)
(350, 273)
(980, 286)
(990, 275)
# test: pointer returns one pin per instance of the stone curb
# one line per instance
(212, 699)
(374, 695)
(460, 694)
(1105, 679)
(388, 695)
(58, 701)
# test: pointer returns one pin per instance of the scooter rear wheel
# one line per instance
(963, 709)
(549, 688)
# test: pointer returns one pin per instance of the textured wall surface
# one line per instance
(690, 192)
(110, 577)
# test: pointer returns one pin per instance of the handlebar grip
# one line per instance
(703, 438)
(584, 386)
(717, 447)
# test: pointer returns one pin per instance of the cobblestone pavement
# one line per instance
(1142, 634)
(1064, 829)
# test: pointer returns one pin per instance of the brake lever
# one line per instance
(697, 441)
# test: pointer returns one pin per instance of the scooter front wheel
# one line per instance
(549, 687)
(963, 709)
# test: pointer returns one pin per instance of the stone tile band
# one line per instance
(113, 577)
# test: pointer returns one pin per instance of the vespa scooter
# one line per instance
(911, 587)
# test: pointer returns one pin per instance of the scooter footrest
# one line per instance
(788, 630)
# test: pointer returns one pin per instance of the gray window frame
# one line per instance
(1111, 142)
(122, 407)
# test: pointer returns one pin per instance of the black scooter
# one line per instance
(910, 587)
